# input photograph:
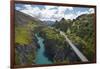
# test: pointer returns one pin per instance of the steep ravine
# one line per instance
(40, 57)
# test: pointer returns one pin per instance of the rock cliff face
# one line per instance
(25, 54)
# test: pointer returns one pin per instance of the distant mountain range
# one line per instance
(48, 22)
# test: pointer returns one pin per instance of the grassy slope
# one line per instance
(24, 33)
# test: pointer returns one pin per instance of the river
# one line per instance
(40, 57)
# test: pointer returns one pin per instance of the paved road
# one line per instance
(76, 50)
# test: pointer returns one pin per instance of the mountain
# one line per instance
(81, 32)
(22, 18)
(83, 27)
(63, 24)
(48, 22)
(25, 42)
(84, 24)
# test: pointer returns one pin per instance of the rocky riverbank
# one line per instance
(25, 54)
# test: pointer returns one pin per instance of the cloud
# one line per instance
(28, 7)
(48, 13)
(18, 8)
(91, 10)
(62, 9)
(52, 13)
(50, 7)
(34, 12)
(70, 16)
(78, 13)
(70, 8)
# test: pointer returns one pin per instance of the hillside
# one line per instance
(25, 41)
(81, 33)
(22, 18)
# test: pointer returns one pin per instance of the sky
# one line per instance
(52, 13)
